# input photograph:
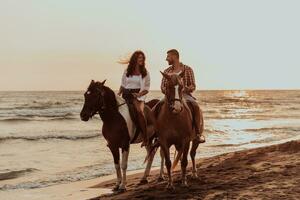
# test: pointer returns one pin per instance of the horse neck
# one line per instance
(111, 107)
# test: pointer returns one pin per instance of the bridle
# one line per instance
(172, 101)
(103, 106)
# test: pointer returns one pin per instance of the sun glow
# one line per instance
(236, 94)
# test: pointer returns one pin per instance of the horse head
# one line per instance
(94, 101)
(174, 91)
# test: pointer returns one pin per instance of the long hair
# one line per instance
(133, 62)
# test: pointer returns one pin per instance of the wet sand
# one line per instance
(271, 172)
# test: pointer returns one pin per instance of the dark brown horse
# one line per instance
(118, 128)
(175, 127)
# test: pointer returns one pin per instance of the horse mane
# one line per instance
(110, 98)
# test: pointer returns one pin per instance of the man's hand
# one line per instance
(188, 88)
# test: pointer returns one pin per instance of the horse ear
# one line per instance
(165, 75)
(103, 82)
(91, 83)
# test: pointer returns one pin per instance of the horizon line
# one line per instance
(290, 89)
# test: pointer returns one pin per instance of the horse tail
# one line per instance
(152, 150)
(202, 122)
(177, 158)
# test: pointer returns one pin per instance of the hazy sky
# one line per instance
(233, 44)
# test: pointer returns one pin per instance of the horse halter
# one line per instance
(171, 101)
(96, 109)
(102, 103)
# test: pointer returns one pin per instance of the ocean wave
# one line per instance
(39, 105)
(50, 137)
(40, 117)
(15, 174)
(210, 131)
(226, 100)
(265, 140)
(15, 119)
(293, 108)
(84, 173)
(43, 105)
(229, 145)
(250, 116)
(272, 129)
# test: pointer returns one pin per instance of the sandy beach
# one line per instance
(271, 172)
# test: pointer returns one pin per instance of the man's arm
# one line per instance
(190, 80)
(163, 85)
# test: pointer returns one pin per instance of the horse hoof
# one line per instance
(170, 187)
(121, 190)
(160, 179)
(143, 181)
(116, 188)
(194, 177)
(184, 185)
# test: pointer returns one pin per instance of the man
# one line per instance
(189, 87)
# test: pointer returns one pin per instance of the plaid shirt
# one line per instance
(188, 79)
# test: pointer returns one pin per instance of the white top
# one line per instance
(135, 82)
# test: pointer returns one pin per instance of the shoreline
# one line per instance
(262, 172)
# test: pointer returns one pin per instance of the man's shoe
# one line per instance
(145, 143)
(200, 138)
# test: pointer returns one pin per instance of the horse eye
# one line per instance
(88, 92)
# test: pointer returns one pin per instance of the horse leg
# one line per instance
(125, 153)
(168, 163)
(116, 154)
(161, 177)
(184, 163)
(148, 167)
(195, 145)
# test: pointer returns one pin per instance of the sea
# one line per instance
(43, 142)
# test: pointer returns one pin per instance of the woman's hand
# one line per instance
(136, 95)
(120, 91)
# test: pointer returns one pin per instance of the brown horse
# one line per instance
(118, 128)
(175, 127)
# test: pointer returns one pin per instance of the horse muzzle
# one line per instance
(177, 107)
(84, 118)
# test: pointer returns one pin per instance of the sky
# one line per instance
(233, 44)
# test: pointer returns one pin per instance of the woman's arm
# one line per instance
(121, 89)
(145, 86)
(123, 83)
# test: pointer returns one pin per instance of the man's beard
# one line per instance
(170, 62)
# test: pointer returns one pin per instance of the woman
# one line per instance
(134, 87)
